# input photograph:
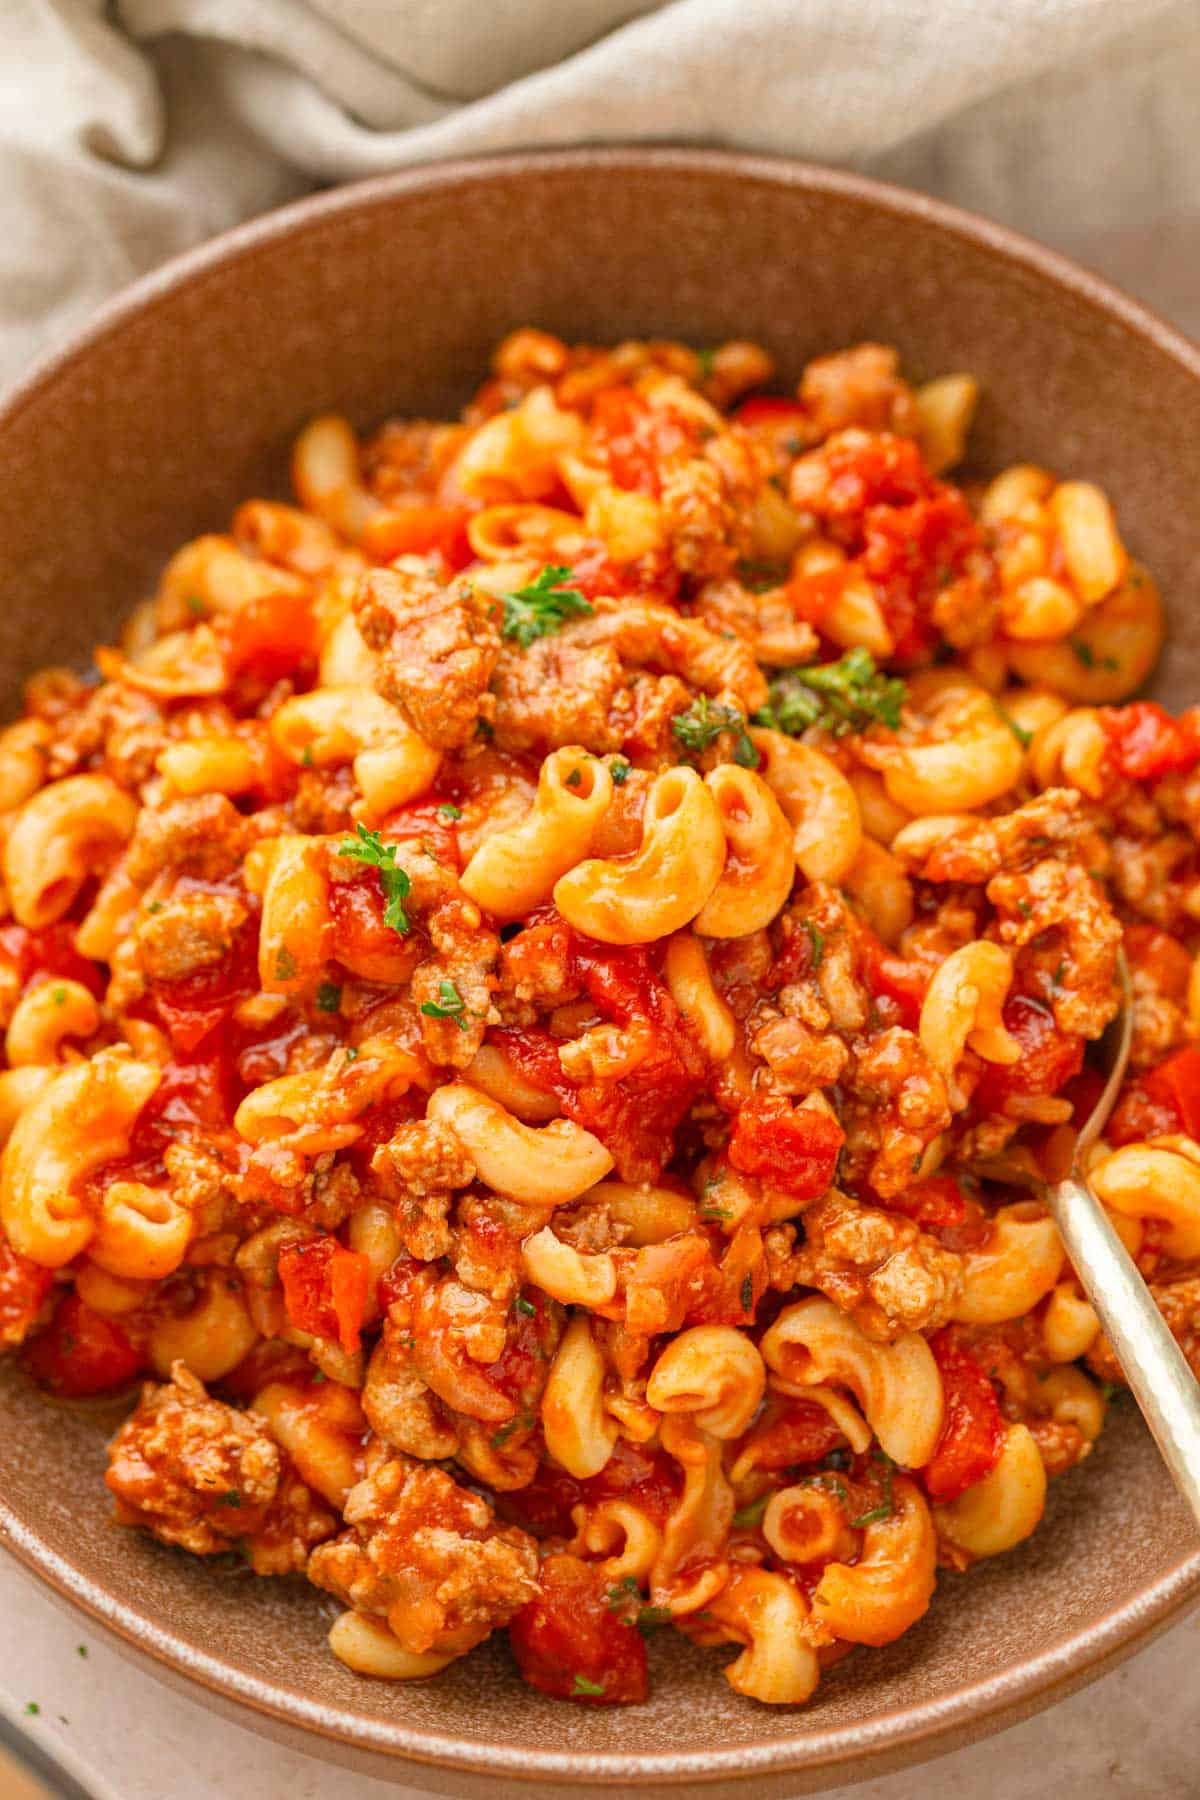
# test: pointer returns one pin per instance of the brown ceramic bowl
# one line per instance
(181, 399)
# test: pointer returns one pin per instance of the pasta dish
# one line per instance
(543, 986)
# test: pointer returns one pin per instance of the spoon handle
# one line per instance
(1153, 1364)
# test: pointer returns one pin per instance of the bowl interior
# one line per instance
(183, 401)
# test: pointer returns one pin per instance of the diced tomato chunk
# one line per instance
(792, 1147)
(650, 1478)
(195, 1005)
(973, 1430)
(802, 1432)
(1049, 1057)
(570, 1643)
(888, 974)
(1147, 742)
(638, 438)
(325, 1289)
(48, 951)
(772, 409)
(269, 637)
(426, 823)
(1160, 1101)
(82, 1353)
(24, 1286)
(812, 596)
(634, 1116)
(417, 528)
(935, 1203)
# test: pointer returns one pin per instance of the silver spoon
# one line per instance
(1152, 1362)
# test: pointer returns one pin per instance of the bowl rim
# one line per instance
(911, 1733)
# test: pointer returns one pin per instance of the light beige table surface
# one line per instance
(1133, 1736)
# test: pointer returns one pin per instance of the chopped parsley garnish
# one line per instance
(448, 1005)
(285, 964)
(1087, 656)
(817, 940)
(351, 1053)
(746, 1295)
(705, 358)
(752, 1513)
(329, 997)
(844, 696)
(581, 1685)
(196, 605)
(81, 1649)
(543, 606)
(371, 849)
(32, 1708)
(627, 1595)
(306, 756)
(521, 1422)
(619, 770)
(230, 1498)
(884, 1509)
(574, 778)
(448, 810)
(59, 996)
(703, 723)
(525, 1306)
(1023, 737)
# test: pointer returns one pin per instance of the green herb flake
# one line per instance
(817, 941)
(705, 359)
(306, 756)
(32, 1708)
(1087, 656)
(651, 1617)
(521, 1422)
(196, 605)
(1023, 737)
(522, 1305)
(230, 1498)
(285, 964)
(746, 1295)
(581, 1685)
(448, 810)
(751, 1514)
(845, 696)
(369, 848)
(448, 1005)
(1024, 908)
(329, 997)
(155, 906)
(574, 778)
(60, 996)
(542, 607)
(619, 770)
(884, 1510)
(620, 1596)
(715, 1215)
(703, 723)
(351, 1053)
(81, 1650)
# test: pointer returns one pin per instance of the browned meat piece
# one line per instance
(766, 621)
(861, 387)
(418, 1169)
(986, 847)
(204, 836)
(649, 636)
(890, 1276)
(195, 1472)
(558, 692)
(437, 645)
(117, 729)
(1179, 1304)
(191, 932)
(428, 1557)
(896, 1105)
(1056, 898)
